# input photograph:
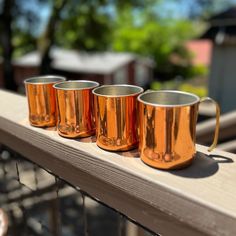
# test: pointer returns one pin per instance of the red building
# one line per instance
(105, 68)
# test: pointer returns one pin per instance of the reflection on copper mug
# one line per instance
(75, 108)
(116, 116)
(168, 128)
(41, 100)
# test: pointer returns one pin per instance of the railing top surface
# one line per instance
(201, 197)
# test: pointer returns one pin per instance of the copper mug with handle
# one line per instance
(116, 116)
(168, 122)
(42, 100)
(75, 108)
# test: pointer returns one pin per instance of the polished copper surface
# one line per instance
(116, 116)
(75, 108)
(41, 100)
(168, 128)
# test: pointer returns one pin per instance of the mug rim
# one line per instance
(197, 99)
(33, 80)
(119, 95)
(96, 84)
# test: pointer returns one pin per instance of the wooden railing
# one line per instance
(198, 200)
(227, 138)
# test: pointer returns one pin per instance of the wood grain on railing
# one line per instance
(198, 200)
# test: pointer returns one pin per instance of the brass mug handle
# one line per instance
(217, 127)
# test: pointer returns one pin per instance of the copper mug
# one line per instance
(168, 128)
(116, 116)
(41, 100)
(75, 108)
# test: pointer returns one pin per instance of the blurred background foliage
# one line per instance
(162, 40)
(154, 28)
(200, 91)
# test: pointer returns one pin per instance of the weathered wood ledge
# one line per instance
(199, 200)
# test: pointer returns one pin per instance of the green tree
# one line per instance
(85, 26)
(88, 25)
(161, 39)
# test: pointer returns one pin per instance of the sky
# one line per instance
(180, 8)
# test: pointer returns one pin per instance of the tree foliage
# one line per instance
(162, 40)
(89, 25)
(84, 26)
